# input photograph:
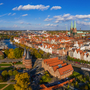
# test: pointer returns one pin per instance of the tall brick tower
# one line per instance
(28, 60)
(71, 29)
(75, 29)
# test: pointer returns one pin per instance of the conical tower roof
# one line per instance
(71, 25)
(24, 52)
(74, 24)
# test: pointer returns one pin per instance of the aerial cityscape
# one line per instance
(44, 45)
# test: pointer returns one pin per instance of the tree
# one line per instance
(86, 87)
(4, 73)
(15, 72)
(23, 82)
(11, 54)
(10, 72)
(68, 87)
(17, 53)
(1, 78)
(6, 52)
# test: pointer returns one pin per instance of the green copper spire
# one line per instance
(71, 24)
(74, 24)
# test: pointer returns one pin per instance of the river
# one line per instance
(7, 42)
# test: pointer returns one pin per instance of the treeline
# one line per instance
(6, 36)
(35, 53)
(5, 74)
(77, 60)
(14, 53)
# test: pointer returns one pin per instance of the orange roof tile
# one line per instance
(54, 64)
(65, 69)
(46, 60)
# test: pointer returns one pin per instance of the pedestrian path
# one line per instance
(5, 86)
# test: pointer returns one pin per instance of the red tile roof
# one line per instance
(54, 64)
(65, 69)
(47, 60)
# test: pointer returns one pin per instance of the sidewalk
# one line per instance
(5, 87)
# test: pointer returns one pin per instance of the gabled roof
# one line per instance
(51, 59)
(57, 67)
(65, 69)
(54, 64)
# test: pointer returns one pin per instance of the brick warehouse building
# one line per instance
(27, 59)
(57, 68)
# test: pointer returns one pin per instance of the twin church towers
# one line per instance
(73, 29)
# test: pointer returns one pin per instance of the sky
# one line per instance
(44, 14)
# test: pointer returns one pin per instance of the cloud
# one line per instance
(13, 14)
(66, 15)
(28, 23)
(1, 3)
(38, 24)
(82, 16)
(83, 23)
(31, 7)
(24, 14)
(9, 14)
(48, 19)
(86, 19)
(3, 15)
(48, 15)
(58, 18)
(21, 22)
(15, 26)
(56, 7)
(51, 25)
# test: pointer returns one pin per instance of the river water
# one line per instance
(7, 42)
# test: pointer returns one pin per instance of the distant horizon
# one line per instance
(42, 30)
(40, 15)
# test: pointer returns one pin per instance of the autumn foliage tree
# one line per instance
(11, 54)
(23, 81)
(17, 53)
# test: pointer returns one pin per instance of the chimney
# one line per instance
(24, 52)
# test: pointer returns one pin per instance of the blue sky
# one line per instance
(44, 14)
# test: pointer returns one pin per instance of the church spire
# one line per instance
(74, 24)
(71, 25)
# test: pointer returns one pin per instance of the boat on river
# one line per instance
(87, 69)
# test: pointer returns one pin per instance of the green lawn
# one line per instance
(4, 68)
(5, 65)
(10, 87)
(18, 63)
(2, 85)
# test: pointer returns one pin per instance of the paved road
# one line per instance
(10, 60)
(35, 82)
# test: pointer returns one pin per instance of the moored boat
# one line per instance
(87, 69)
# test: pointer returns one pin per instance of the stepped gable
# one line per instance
(65, 69)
